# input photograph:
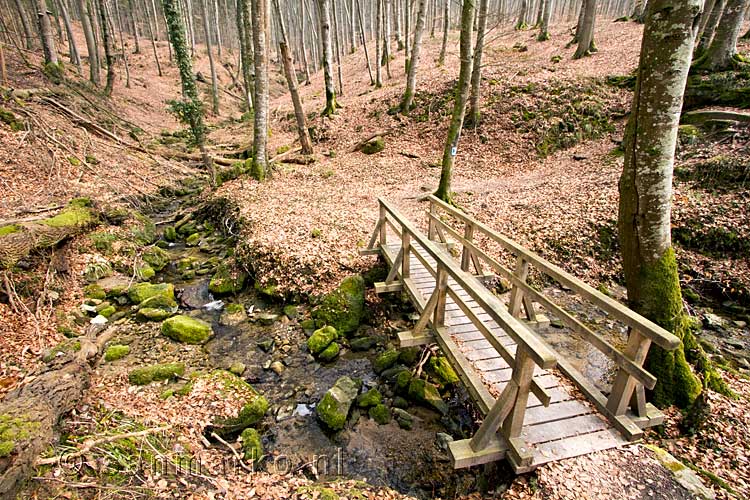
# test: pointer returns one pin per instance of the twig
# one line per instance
(89, 443)
(234, 452)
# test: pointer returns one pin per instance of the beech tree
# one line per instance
(108, 50)
(459, 106)
(325, 35)
(48, 39)
(259, 169)
(411, 79)
(214, 82)
(446, 21)
(721, 54)
(476, 72)
(648, 258)
(544, 23)
(585, 30)
(709, 20)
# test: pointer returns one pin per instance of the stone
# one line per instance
(369, 398)
(153, 314)
(374, 145)
(233, 315)
(107, 311)
(252, 447)
(159, 302)
(226, 281)
(94, 291)
(400, 402)
(115, 352)
(342, 308)
(266, 345)
(427, 394)
(409, 355)
(334, 407)
(321, 339)
(308, 324)
(291, 311)
(144, 272)
(266, 319)
(142, 291)
(385, 360)
(156, 258)
(740, 323)
(380, 413)
(237, 368)
(193, 239)
(186, 329)
(684, 475)
(442, 440)
(713, 321)
(403, 418)
(277, 367)
(170, 234)
(363, 343)
(148, 374)
(330, 353)
(442, 371)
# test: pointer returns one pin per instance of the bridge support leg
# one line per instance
(626, 389)
(517, 297)
(519, 453)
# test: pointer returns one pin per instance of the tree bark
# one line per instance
(29, 37)
(73, 48)
(259, 168)
(544, 25)
(90, 42)
(107, 41)
(585, 30)
(645, 188)
(411, 79)
(378, 46)
(474, 113)
(302, 40)
(325, 35)
(521, 24)
(245, 35)
(446, 21)
(364, 41)
(721, 54)
(153, 37)
(45, 31)
(459, 107)
(122, 44)
(214, 81)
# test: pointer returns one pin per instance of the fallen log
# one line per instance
(699, 117)
(30, 413)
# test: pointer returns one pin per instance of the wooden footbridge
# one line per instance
(537, 406)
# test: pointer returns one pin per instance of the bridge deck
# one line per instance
(568, 427)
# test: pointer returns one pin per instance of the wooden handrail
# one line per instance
(654, 332)
(536, 349)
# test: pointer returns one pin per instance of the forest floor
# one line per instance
(541, 167)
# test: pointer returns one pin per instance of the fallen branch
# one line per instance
(234, 452)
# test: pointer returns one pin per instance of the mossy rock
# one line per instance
(321, 339)
(291, 311)
(330, 353)
(193, 239)
(374, 145)
(363, 343)
(9, 229)
(380, 414)
(441, 370)
(148, 374)
(64, 347)
(237, 368)
(333, 409)
(688, 134)
(142, 291)
(403, 380)
(161, 301)
(10, 119)
(107, 311)
(144, 230)
(343, 308)
(170, 234)
(115, 352)
(77, 213)
(369, 398)
(404, 419)
(385, 360)
(144, 272)
(94, 291)
(14, 429)
(156, 258)
(226, 281)
(427, 394)
(153, 314)
(251, 413)
(252, 446)
(186, 329)
(409, 355)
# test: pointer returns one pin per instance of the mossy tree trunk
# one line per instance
(109, 57)
(325, 35)
(544, 25)
(585, 30)
(446, 23)
(244, 30)
(191, 110)
(411, 78)
(721, 54)
(521, 23)
(45, 32)
(474, 113)
(459, 107)
(649, 262)
(260, 122)
(709, 19)
(378, 51)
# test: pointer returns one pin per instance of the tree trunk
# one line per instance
(134, 25)
(245, 35)
(218, 29)
(648, 258)
(378, 46)
(259, 168)
(708, 26)
(122, 44)
(474, 113)
(107, 41)
(459, 107)
(214, 81)
(74, 56)
(544, 25)
(291, 79)
(722, 54)
(411, 79)
(585, 30)
(639, 11)
(153, 37)
(364, 41)
(387, 37)
(521, 24)
(45, 31)
(337, 46)
(29, 42)
(325, 35)
(446, 21)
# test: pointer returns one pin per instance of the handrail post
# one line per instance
(523, 372)
(517, 297)
(441, 288)
(431, 222)
(382, 225)
(406, 249)
(626, 388)
(466, 253)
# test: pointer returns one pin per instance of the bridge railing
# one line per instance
(506, 413)
(631, 378)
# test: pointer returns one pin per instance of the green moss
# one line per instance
(156, 258)
(144, 230)
(442, 371)
(10, 229)
(330, 353)
(252, 447)
(148, 374)
(423, 392)
(226, 281)
(333, 408)
(103, 241)
(10, 119)
(144, 272)
(107, 311)
(380, 413)
(330, 413)
(142, 291)
(115, 352)
(94, 291)
(343, 308)
(64, 347)
(186, 329)
(193, 239)
(321, 339)
(385, 360)
(73, 215)
(12, 430)
(375, 145)
(170, 234)
(250, 414)
(369, 398)
(688, 134)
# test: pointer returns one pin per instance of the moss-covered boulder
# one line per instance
(374, 145)
(142, 291)
(441, 370)
(402, 381)
(226, 281)
(115, 352)
(343, 308)
(369, 398)
(330, 353)
(363, 343)
(156, 308)
(380, 414)
(144, 272)
(156, 258)
(385, 360)
(193, 239)
(170, 234)
(321, 339)
(94, 291)
(252, 412)
(64, 347)
(427, 394)
(252, 446)
(153, 314)
(404, 419)
(186, 329)
(147, 374)
(333, 409)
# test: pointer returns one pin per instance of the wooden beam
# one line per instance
(381, 287)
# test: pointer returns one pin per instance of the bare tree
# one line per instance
(259, 16)
(72, 47)
(214, 82)
(411, 79)
(721, 54)
(108, 51)
(325, 34)
(446, 21)
(45, 31)
(474, 113)
(544, 25)
(585, 30)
